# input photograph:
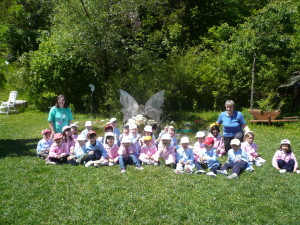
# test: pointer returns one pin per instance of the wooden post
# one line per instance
(252, 84)
(269, 120)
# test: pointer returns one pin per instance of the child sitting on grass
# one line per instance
(135, 138)
(58, 151)
(126, 155)
(111, 148)
(199, 146)
(208, 159)
(96, 153)
(166, 155)
(251, 149)
(88, 127)
(67, 138)
(74, 131)
(164, 131)
(171, 132)
(44, 144)
(148, 152)
(184, 157)
(238, 160)
(116, 131)
(78, 156)
(218, 139)
(124, 134)
(284, 159)
(148, 132)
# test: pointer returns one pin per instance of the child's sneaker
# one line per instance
(298, 171)
(177, 172)
(220, 155)
(50, 163)
(111, 164)
(89, 163)
(200, 172)
(123, 170)
(222, 172)
(188, 170)
(155, 164)
(139, 168)
(250, 169)
(282, 171)
(233, 176)
(258, 163)
(211, 174)
(96, 165)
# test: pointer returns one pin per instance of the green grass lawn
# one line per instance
(35, 193)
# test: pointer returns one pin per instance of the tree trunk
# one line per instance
(252, 84)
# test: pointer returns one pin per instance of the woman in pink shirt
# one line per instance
(148, 150)
(58, 151)
(284, 159)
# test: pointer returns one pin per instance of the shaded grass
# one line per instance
(34, 193)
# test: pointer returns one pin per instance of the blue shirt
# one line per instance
(212, 158)
(97, 147)
(239, 155)
(185, 155)
(79, 151)
(231, 124)
(43, 145)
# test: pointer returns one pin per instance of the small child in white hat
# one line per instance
(184, 157)
(238, 160)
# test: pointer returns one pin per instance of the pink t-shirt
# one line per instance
(112, 152)
(279, 154)
(250, 149)
(167, 153)
(218, 142)
(125, 151)
(56, 150)
(147, 152)
(199, 148)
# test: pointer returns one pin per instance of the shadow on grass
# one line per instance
(18, 147)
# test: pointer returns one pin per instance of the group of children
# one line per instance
(130, 147)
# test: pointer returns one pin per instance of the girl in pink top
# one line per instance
(148, 151)
(251, 149)
(58, 151)
(166, 152)
(284, 159)
(111, 148)
(68, 139)
(218, 139)
(199, 146)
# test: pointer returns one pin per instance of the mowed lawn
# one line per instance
(35, 193)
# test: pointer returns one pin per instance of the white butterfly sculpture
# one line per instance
(151, 109)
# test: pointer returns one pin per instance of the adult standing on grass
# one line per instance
(233, 123)
(60, 115)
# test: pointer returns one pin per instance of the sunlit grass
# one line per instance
(34, 193)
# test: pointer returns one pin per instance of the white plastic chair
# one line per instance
(9, 106)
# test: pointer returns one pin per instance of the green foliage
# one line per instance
(200, 52)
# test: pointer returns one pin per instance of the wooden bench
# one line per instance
(269, 117)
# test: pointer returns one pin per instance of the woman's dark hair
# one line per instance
(66, 105)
